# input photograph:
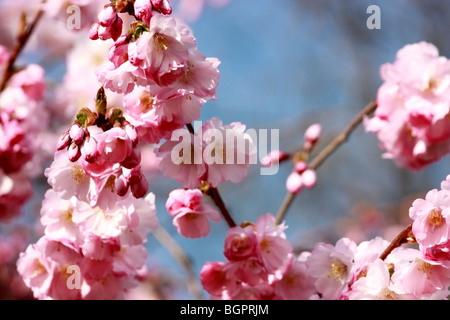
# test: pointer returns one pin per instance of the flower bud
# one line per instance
(300, 166)
(275, 156)
(76, 133)
(74, 152)
(294, 183)
(121, 186)
(140, 187)
(107, 16)
(309, 178)
(89, 149)
(63, 141)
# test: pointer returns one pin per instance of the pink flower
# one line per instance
(161, 50)
(332, 266)
(191, 215)
(15, 148)
(56, 216)
(228, 151)
(431, 218)
(416, 275)
(376, 285)
(118, 79)
(240, 243)
(31, 80)
(182, 160)
(273, 249)
(217, 281)
(35, 269)
(411, 120)
(296, 283)
(114, 145)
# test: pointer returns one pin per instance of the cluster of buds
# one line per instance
(106, 144)
(110, 24)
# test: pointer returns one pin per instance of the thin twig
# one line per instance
(22, 39)
(403, 237)
(179, 254)
(325, 153)
(217, 198)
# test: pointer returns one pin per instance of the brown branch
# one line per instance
(403, 237)
(178, 253)
(217, 198)
(22, 39)
(326, 152)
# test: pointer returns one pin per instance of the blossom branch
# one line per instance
(178, 253)
(22, 39)
(326, 152)
(404, 236)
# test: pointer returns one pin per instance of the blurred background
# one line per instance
(285, 65)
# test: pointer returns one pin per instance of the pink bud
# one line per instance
(312, 134)
(294, 183)
(300, 166)
(93, 31)
(76, 133)
(89, 149)
(121, 186)
(133, 160)
(74, 152)
(275, 156)
(63, 141)
(309, 178)
(107, 16)
(116, 29)
(165, 7)
(140, 187)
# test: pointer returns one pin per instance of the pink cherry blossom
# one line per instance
(412, 113)
(191, 215)
(228, 151)
(296, 283)
(332, 267)
(240, 243)
(273, 249)
(190, 170)
(163, 49)
(431, 218)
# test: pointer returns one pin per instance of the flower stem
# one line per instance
(326, 152)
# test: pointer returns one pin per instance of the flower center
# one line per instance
(78, 174)
(435, 218)
(160, 42)
(338, 270)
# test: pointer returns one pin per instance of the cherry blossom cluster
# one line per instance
(103, 244)
(261, 263)
(412, 117)
(19, 131)
(165, 79)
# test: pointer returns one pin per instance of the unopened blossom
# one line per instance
(411, 119)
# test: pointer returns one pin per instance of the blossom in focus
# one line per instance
(190, 215)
